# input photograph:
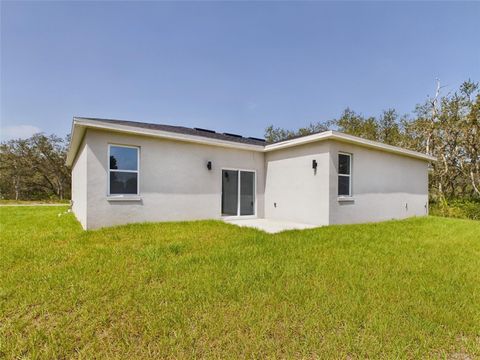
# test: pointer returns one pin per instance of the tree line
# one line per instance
(34, 168)
(445, 126)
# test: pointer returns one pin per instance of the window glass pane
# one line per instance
(247, 193)
(123, 182)
(343, 164)
(123, 158)
(229, 192)
(344, 185)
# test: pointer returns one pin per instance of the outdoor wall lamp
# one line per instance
(209, 165)
(314, 164)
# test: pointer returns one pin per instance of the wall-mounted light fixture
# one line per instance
(314, 164)
(209, 165)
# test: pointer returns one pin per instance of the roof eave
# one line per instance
(298, 141)
(76, 138)
(79, 126)
(338, 136)
(380, 146)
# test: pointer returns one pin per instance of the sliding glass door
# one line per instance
(247, 193)
(229, 193)
(238, 193)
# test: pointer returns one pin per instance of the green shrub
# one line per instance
(457, 208)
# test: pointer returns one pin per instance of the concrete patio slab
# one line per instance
(270, 226)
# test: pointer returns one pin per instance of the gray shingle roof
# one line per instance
(184, 130)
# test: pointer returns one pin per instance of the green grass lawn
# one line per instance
(33, 202)
(400, 289)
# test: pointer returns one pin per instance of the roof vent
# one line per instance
(258, 139)
(234, 135)
(205, 130)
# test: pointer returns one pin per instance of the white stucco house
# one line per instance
(124, 172)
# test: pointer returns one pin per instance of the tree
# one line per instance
(275, 134)
(15, 169)
(470, 162)
(355, 124)
(445, 126)
(48, 159)
(34, 168)
(388, 129)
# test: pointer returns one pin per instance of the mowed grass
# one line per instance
(400, 289)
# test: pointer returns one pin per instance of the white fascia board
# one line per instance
(79, 123)
(380, 146)
(298, 141)
(334, 135)
(76, 138)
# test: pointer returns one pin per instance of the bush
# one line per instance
(457, 208)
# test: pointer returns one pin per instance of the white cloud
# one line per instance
(18, 131)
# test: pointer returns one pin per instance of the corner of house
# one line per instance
(331, 183)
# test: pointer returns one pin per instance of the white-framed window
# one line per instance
(123, 170)
(344, 174)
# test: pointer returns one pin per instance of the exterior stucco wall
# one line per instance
(79, 185)
(384, 186)
(293, 190)
(175, 183)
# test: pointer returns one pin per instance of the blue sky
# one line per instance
(228, 66)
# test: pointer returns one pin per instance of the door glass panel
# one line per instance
(247, 193)
(229, 192)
